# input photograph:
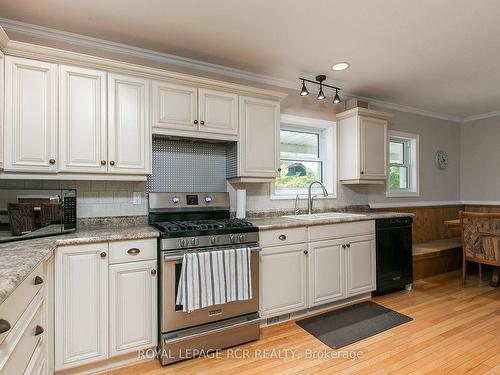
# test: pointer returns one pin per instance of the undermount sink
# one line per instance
(324, 215)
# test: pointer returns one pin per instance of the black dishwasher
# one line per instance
(394, 254)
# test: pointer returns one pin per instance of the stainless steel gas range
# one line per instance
(190, 222)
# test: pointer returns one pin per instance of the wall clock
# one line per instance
(441, 159)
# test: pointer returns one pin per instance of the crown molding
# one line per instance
(50, 34)
(481, 116)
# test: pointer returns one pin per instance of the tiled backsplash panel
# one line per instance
(94, 198)
(188, 166)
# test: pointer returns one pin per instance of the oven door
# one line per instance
(172, 316)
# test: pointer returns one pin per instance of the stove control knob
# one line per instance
(175, 200)
(195, 241)
(242, 237)
(232, 238)
(182, 242)
(214, 240)
(208, 199)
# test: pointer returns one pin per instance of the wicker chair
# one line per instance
(480, 240)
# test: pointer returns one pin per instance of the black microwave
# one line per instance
(32, 213)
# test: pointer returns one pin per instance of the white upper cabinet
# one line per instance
(197, 112)
(129, 130)
(362, 146)
(218, 112)
(258, 145)
(175, 106)
(82, 120)
(30, 115)
(132, 306)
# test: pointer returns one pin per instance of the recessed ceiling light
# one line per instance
(340, 66)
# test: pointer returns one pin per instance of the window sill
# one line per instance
(301, 196)
(402, 194)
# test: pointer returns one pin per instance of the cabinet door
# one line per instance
(82, 120)
(218, 112)
(283, 279)
(326, 272)
(81, 306)
(259, 137)
(30, 115)
(360, 265)
(132, 306)
(373, 150)
(175, 106)
(129, 131)
(2, 86)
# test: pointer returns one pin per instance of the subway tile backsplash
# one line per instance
(94, 198)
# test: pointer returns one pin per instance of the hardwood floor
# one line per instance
(454, 331)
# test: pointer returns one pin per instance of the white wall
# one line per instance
(435, 134)
(480, 161)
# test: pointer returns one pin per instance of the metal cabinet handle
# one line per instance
(134, 251)
(362, 172)
(306, 252)
(344, 246)
(282, 237)
(153, 272)
(279, 169)
(52, 161)
(38, 280)
(195, 122)
(39, 330)
(4, 326)
(348, 245)
(202, 122)
(103, 162)
(103, 254)
(112, 163)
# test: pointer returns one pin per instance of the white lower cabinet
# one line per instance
(360, 265)
(81, 313)
(327, 272)
(283, 273)
(103, 310)
(317, 272)
(132, 306)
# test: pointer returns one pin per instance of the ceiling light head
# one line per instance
(321, 94)
(341, 66)
(336, 99)
(304, 91)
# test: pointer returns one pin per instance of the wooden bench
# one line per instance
(435, 257)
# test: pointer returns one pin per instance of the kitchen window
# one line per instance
(306, 155)
(403, 165)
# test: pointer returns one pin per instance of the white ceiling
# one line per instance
(439, 56)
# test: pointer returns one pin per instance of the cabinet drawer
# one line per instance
(130, 251)
(330, 231)
(282, 236)
(12, 308)
(38, 363)
(20, 343)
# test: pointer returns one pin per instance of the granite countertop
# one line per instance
(279, 222)
(19, 258)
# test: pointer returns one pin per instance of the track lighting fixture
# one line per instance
(304, 91)
(321, 95)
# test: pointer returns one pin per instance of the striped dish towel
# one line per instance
(214, 277)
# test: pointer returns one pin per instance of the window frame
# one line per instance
(326, 131)
(410, 143)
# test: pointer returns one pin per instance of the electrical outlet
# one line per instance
(137, 197)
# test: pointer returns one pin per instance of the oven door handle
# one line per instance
(176, 257)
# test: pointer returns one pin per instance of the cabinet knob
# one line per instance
(38, 280)
(279, 169)
(195, 122)
(39, 330)
(306, 252)
(52, 161)
(103, 254)
(202, 122)
(4, 326)
(362, 172)
(153, 272)
(112, 163)
(344, 246)
(134, 251)
(282, 237)
(103, 162)
(348, 245)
